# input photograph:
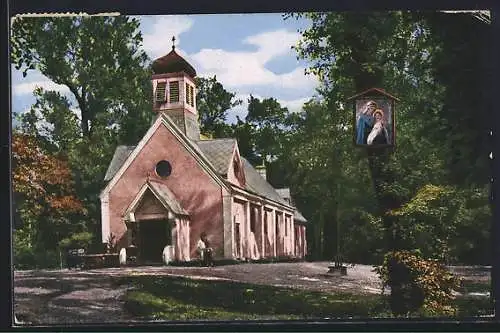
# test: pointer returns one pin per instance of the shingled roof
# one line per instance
(285, 194)
(171, 63)
(257, 184)
(167, 198)
(219, 152)
(297, 216)
(121, 154)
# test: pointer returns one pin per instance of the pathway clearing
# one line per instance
(89, 296)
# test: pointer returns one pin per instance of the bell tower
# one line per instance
(174, 92)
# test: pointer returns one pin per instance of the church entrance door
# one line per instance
(154, 235)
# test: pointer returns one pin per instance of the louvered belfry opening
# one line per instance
(175, 92)
(160, 93)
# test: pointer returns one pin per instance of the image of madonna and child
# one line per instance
(204, 250)
(371, 126)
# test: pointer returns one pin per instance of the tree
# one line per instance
(421, 195)
(100, 61)
(213, 102)
(47, 203)
(461, 61)
(355, 51)
(267, 117)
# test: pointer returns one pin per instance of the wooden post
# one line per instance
(275, 238)
(262, 235)
(248, 253)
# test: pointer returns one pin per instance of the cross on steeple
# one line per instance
(173, 43)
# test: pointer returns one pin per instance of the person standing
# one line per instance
(364, 122)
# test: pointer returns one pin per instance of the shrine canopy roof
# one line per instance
(372, 92)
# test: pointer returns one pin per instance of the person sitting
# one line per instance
(205, 250)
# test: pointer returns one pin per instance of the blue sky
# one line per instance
(249, 53)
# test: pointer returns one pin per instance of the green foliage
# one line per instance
(418, 284)
(213, 102)
(111, 244)
(428, 221)
(432, 191)
(408, 55)
(362, 237)
(78, 240)
(26, 256)
(101, 63)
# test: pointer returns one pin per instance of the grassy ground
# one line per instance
(469, 286)
(171, 298)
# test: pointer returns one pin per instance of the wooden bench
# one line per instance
(101, 260)
(74, 258)
(337, 268)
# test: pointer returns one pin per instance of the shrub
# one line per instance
(78, 240)
(29, 258)
(24, 258)
(417, 284)
(48, 259)
(111, 244)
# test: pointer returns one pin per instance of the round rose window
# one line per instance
(163, 169)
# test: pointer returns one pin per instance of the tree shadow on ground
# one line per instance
(56, 298)
(253, 299)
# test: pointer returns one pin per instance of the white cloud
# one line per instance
(272, 44)
(240, 68)
(297, 79)
(294, 105)
(25, 88)
(158, 41)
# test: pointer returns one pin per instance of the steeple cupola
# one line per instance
(174, 92)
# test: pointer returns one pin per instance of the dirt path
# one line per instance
(64, 296)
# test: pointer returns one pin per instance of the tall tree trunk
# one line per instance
(382, 175)
(330, 234)
(318, 229)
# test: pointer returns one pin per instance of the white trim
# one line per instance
(242, 168)
(131, 157)
(163, 120)
(137, 199)
(240, 197)
(266, 201)
(130, 211)
(198, 156)
(230, 168)
(105, 220)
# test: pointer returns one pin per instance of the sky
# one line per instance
(249, 54)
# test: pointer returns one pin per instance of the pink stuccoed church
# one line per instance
(175, 184)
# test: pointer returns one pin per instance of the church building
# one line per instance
(175, 184)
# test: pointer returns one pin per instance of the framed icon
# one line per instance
(374, 119)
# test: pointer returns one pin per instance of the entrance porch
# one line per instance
(157, 226)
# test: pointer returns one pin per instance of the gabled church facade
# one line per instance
(163, 193)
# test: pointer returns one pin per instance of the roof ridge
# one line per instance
(218, 139)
